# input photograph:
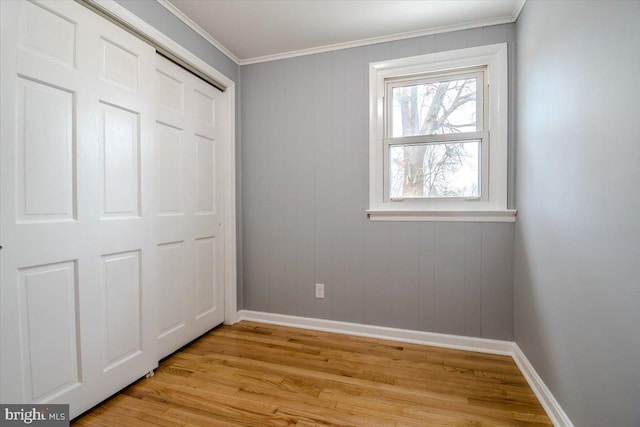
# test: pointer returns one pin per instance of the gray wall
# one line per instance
(577, 239)
(305, 192)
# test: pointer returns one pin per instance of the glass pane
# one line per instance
(434, 108)
(434, 170)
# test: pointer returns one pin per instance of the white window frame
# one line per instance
(480, 134)
(492, 205)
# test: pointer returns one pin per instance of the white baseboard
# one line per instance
(551, 406)
(506, 348)
(404, 335)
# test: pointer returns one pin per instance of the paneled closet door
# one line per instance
(78, 208)
(189, 199)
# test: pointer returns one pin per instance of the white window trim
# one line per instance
(491, 209)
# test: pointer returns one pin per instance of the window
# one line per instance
(434, 136)
(438, 137)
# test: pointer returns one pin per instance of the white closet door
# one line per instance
(190, 243)
(77, 226)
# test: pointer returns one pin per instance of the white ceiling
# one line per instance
(258, 30)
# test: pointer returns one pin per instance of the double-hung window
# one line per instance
(438, 137)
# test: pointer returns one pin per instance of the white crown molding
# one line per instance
(381, 39)
(551, 406)
(338, 46)
(198, 29)
(517, 8)
(506, 348)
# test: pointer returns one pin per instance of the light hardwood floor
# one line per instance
(262, 375)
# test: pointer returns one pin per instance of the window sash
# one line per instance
(477, 73)
(483, 184)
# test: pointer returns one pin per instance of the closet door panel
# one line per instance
(78, 206)
(189, 211)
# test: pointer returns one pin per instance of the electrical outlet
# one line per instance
(319, 290)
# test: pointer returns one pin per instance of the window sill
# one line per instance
(507, 215)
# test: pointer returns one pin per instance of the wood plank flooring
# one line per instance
(255, 374)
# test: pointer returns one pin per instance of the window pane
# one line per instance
(434, 170)
(440, 107)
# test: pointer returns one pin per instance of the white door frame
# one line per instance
(229, 149)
